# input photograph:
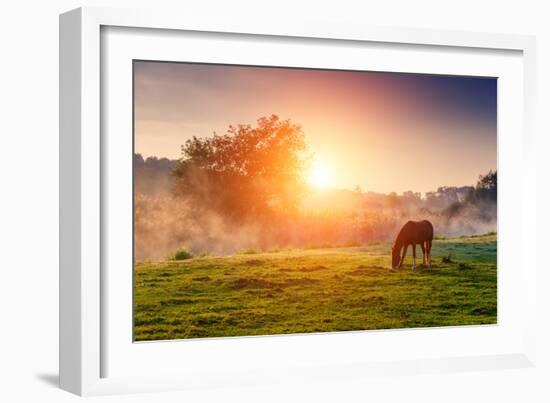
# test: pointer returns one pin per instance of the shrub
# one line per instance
(182, 254)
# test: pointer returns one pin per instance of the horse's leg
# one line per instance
(423, 246)
(414, 255)
(429, 249)
(403, 256)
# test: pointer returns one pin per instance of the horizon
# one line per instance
(365, 129)
(363, 191)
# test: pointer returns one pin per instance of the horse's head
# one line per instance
(395, 257)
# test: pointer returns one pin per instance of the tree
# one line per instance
(248, 171)
(393, 200)
(486, 188)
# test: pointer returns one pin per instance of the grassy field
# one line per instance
(316, 290)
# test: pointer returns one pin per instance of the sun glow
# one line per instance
(320, 175)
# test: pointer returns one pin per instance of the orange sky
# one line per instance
(382, 131)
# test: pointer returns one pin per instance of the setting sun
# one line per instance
(320, 175)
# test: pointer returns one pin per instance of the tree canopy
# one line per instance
(246, 171)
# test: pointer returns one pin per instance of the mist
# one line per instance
(165, 222)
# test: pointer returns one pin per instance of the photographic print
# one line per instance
(273, 200)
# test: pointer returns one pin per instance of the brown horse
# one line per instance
(413, 233)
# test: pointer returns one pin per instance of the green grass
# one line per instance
(316, 290)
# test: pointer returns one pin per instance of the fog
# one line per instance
(328, 218)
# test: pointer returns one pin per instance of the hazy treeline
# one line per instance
(165, 222)
(153, 176)
(245, 190)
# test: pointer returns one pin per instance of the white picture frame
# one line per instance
(87, 342)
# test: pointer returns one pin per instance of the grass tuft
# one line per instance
(447, 259)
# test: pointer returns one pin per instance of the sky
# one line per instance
(384, 132)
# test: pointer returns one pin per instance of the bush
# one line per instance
(182, 254)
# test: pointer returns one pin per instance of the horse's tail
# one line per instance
(429, 230)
